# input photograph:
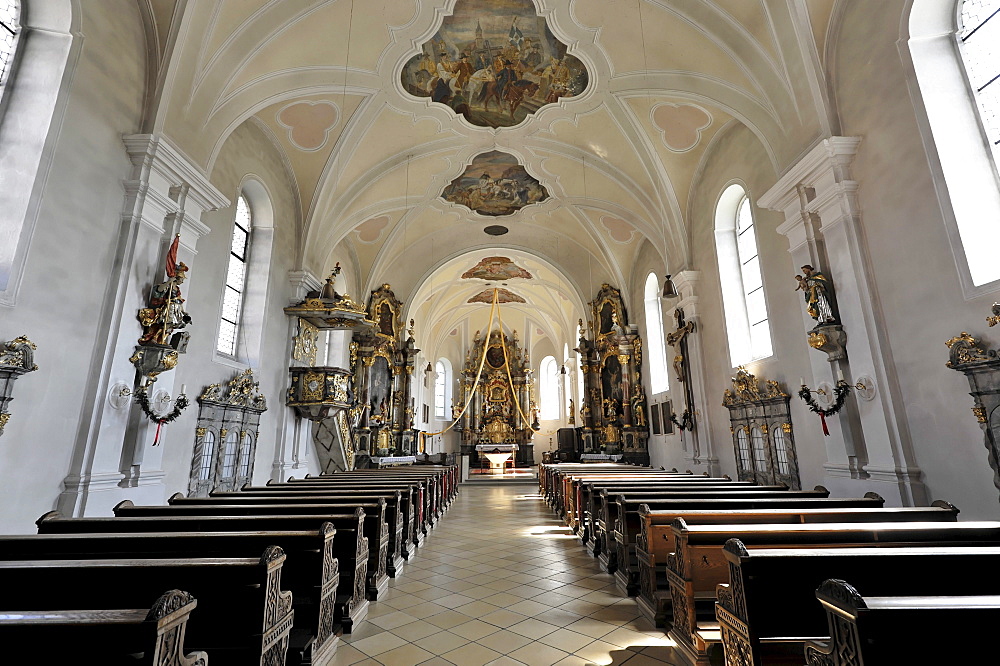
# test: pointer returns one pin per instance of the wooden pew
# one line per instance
(248, 617)
(395, 512)
(376, 529)
(884, 630)
(698, 565)
(568, 488)
(768, 611)
(116, 635)
(655, 542)
(583, 491)
(620, 532)
(433, 485)
(350, 544)
(557, 475)
(311, 575)
(594, 511)
(421, 518)
(627, 523)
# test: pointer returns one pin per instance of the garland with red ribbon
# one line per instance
(840, 393)
(180, 404)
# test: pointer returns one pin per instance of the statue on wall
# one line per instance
(165, 310)
(676, 339)
(818, 294)
(572, 412)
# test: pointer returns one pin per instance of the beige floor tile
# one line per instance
(627, 638)
(537, 654)
(476, 608)
(475, 629)
(529, 608)
(441, 642)
(414, 631)
(425, 610)
(505, 661)
(376, 645)
(406, 655)
(592, 627)
(567, 640)
(603, 654)
(559, 616)
(437, 661)
(471, 654)
(347, 655)
(448, 619)
(573, 660)
(392, 620)
(502, 618)
(504, 641)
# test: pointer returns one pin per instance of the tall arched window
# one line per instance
(658, 382)
(548, 388)
(739, 272)
(236, 278)
(10, 11)
(979, 34)
(441, 385)
(952, 48)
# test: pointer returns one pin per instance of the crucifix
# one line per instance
(678, 341)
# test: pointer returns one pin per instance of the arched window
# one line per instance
(548, 388)
(979, 34)
(739, 273)
(229, 455)
(207, 457)
(236, 278)
(952, 47)
(246, 463)
(658, 382)
(441, 385)
(9, 29)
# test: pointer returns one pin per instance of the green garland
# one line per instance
(179, 405)
(840, 393)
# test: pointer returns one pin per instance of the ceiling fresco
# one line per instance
(495, 184)
(496, 268)
(495, 62)
(503, 296)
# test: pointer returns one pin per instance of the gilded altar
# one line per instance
(499, 412)
(614, 404)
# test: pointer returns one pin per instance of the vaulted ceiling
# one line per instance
(665, 78)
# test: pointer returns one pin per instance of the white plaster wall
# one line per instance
(913, 268)
(69, 261)
(738, 155)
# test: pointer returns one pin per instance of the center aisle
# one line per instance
(501, 580)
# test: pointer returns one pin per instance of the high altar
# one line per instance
(493, 420)
(614, 409)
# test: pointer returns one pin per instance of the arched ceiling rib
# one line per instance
(618, 160)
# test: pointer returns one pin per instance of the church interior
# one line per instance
(534, 302)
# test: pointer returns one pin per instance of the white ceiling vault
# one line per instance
(370, 160)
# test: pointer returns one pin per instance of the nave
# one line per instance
(502, 580)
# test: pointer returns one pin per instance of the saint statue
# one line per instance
(165, 312)
(572, 412)
(818, 294)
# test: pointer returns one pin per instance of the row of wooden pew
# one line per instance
(776, 576)
(278, 572)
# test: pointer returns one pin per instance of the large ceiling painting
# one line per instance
(495, 184)
(496, 268)
(494, 62)
(503, 296)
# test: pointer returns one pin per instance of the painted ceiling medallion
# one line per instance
(309, 123)
(495, 62)
(496, 268)
(680, 125)
(505, 296)
(495, 184)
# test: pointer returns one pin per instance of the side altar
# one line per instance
(497, 416)
(614, 408)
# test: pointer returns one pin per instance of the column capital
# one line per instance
(827, 164)
(303, 282)
(161, 164)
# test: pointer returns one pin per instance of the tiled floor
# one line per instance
(502, 581)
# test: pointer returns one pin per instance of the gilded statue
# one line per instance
(572, 412)
(165, 309)
(818, 294)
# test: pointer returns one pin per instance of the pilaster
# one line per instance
(869, 441)
(165, 194)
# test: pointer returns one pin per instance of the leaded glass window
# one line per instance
(753, 284)
(658, 382)
(440, 389)
(780, 449)
(743, 448)
(548, 388)
(229, 455)
(245, 456)
(980, 38)
(759, 454)
(9, 29)
(207, 456)
(236, 277)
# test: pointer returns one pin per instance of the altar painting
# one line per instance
(495, 184)
(494, 62)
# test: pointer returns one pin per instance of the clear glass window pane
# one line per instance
(744, 217)
(227, 338)
(245, 457)
(656, 344)
(548, 388)
(229, 455)
(759, 454)
(980, 37)
(232, 300)
(756, 308)
(440, 385)
(9, 28)
(743, 448)
(760, 340)
(207, 456)
(746, 245)
(751, 275)
(780, 450)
